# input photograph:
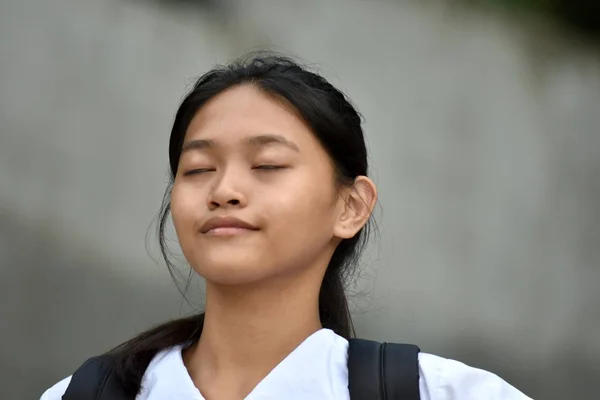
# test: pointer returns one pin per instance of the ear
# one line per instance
(356, 206)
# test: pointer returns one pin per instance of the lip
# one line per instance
(226, 225)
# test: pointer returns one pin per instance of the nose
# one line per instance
(227, 192)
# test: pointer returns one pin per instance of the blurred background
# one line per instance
(483, 122)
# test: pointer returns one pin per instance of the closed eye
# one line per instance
(198, 171)
(268, 167)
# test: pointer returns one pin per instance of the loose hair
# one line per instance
(334, 122)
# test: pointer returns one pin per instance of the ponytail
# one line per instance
(133, 357)
(333, 303)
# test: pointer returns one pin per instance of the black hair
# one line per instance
(337, 126)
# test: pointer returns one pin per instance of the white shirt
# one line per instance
(317, 369)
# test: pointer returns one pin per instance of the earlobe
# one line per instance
(358, 203)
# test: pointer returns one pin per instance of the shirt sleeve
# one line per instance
(445, 379)
(56, 392)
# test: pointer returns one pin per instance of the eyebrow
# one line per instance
(198, 144)
(264, 140)
(261, 140)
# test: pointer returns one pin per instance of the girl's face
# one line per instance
(255, 194)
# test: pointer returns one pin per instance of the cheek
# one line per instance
(302, 229)
(184, 208)
(307, 211)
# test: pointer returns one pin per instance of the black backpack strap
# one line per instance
(94, 380)
(383, 371)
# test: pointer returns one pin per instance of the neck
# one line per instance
(248, 331)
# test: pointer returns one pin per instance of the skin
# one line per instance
(250, 156)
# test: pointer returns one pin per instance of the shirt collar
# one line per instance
(317, 368)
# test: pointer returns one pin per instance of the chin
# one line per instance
(232, 271)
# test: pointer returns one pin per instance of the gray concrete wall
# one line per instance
(485, 144)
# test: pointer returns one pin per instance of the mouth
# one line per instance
(226, 226)
(227, 231)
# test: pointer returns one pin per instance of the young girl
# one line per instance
(271, 203)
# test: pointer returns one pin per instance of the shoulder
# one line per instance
(160, 362)
(56, 392)
(93, 372)
(446, 379)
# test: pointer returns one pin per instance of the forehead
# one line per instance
(245, 111)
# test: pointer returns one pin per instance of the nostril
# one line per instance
(234, 202)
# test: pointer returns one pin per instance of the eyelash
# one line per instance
(197, 171)
(268, 167)
(258, 167)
